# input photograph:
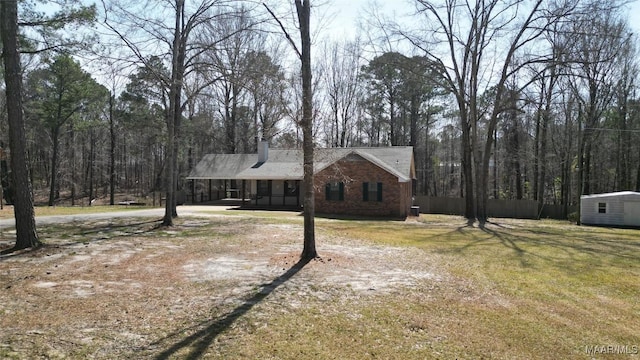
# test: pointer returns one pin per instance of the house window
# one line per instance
(264, 187)
(602, 208)
(371, 191)
(334, 191)
(291, 188)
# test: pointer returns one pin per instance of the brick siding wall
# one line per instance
(353, 170)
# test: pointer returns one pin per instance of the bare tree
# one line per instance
(624, 91)
(342, 69)
(547, 80)
(304, 10)
(181, 51)
(266, 82)
(234, 39)
(112, 119)
(470, 32)
(599, 36)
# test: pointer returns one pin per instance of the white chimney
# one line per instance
(263, 151)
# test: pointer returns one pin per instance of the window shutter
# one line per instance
(379, 191)
(365, 191)
(327, 191)
(341, 192)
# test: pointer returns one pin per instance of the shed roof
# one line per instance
(613, 194)
(287, 164)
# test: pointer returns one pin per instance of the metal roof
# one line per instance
(287, 164)
(612, 194)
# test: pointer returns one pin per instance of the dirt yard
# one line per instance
(110, 289)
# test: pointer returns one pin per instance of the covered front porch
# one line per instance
(285, 193)
(247, 193)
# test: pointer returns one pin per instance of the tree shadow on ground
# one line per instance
(113, 231)
(567, 248)
(11, 251)
(106, 232)
(86, 230)
(211, 329)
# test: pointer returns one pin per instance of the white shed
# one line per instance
(616, 209)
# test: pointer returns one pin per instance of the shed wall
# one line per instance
(615, 213)
(632, 213)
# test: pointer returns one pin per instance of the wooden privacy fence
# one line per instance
(517, 209)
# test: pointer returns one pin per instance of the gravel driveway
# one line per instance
(157, 212)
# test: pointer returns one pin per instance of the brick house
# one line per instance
(348, 181)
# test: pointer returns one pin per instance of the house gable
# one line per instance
(352, 172)
(397, 160)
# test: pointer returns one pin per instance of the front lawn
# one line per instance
(538, 289)
(229, 287)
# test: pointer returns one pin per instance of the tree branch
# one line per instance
(284, 31)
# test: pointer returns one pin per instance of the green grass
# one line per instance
(569, 286)
(539, 255)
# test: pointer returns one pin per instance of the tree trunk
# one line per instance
(344, 140)
(580, 179)
(392, 117)
(638, 178)
(587, 169)
(467, 174)
(542, 151)
(178, 122)
(536, 148)
(413, 116)
(70, 145)
(495, 164)
(336, 122)
(174, 111)
(516, 164)
(257, 136)
(519, 189)
(54, 166)
(466, 180)
(112, 153)
(230, 121)
(309, 250)
(26, 236)
(542, 174)
(1, 187)
(92, 159)
(167, 220)
(623, 165)
(427, 162)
